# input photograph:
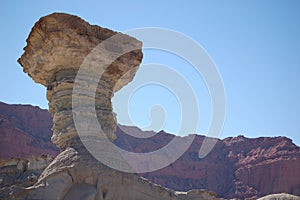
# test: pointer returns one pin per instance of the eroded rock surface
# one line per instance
(55, 51)
(281, 196)
(56, 48)
(264, 165)
(21, 171)
(237, 167)
(227, 170)
(25, 131)
(75, 173)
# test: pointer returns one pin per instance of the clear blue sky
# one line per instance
(255, 45)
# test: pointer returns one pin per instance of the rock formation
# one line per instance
(25, 131)
(22, 172)
(56, 48)
(188, 172)
(281, 196)
(267, 165)
(237, 167)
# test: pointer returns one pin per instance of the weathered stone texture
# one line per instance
(22, 172)
(237, 167)
(55, 51)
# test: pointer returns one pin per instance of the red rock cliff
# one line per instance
(25, 131)
(237, 167)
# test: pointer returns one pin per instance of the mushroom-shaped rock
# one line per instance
(67, 55)
(59, 45)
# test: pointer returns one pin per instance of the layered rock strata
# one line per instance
(58, 49)
(237, 167)
(25, 131)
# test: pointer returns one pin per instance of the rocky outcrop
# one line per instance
(238, 167)
(57, 49)
(74, 174)
(25, 131)
(281, 196)
(21, 171)
(267, 165)
(215, 171)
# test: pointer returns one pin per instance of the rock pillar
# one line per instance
(55, 51)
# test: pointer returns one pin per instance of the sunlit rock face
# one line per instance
(55, 51)
(237, 167)
(58, 47)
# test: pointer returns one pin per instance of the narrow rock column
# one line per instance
(56, 48)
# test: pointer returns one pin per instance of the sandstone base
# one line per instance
(75, 174)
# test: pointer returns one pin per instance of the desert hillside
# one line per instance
(238, 167)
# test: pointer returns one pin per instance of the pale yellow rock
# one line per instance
(56, 48)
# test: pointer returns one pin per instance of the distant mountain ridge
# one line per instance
(25, 130)
(237, 167)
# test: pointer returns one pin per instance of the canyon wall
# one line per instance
(237, 167)
(25, 131)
